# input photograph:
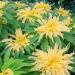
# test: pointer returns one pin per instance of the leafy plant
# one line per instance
(36, 38)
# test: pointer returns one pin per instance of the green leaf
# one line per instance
(62, 18)
(0, 28)
(0, 63)
(34, 38)
(69, 37)
(33, 73)
(45, 0)
(16, 54)
(3, 20)
(28, 29)
(19, 72)
(4, 33)
(28, 50)
(8, 16)
(6, 56)
(7, 64)
(51, 43)
(44, 44)
(58, 41)
(15, 24)
(73, 65)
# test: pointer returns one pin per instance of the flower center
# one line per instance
(21, 40)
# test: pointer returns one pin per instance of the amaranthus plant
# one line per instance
(36, 39)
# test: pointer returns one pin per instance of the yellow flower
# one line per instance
(7, 72)
(1, 73)
(63, 12)
(1, 13)
(2, 4)
(17, 42)
(67, 21)
(42, 7)
(52, 28)
(20, 5)
(52, 62)
(27, 15)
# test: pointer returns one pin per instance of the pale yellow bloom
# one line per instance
(67, 21)
(52, 28)
(1, 13)
(7, 72)
(42, 7)
(1, 73)
(27, 15)
(20, 5)
(52, 62)
(2, 4)
(63, 12)
(17, 42)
